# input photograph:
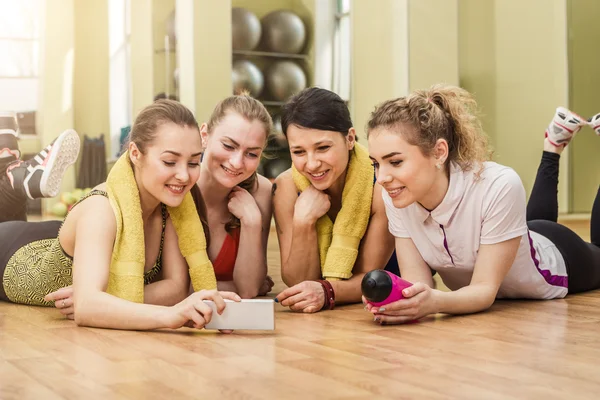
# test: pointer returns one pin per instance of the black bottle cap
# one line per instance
(376, 285)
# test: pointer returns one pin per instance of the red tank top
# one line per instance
(225, 261)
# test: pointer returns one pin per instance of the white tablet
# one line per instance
(257, 314)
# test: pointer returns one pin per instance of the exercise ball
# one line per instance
(277, 137)
(284, 79)
(246, 76)
(245, 29)
(276, 167)
(176, 78)
(170, 24)
(283, 32)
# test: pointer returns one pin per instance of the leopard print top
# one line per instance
(42, 266)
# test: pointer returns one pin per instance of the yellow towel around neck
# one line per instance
(126, 274)
(339, 242)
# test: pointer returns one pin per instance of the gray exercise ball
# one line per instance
(245, 29)
(246, 76)
(283, 32)
(170, 25)
(284, 79)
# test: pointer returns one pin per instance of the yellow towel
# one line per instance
(126, 275)
(339, 242)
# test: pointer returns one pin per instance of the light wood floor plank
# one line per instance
(16, 384)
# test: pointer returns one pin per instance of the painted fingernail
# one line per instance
(382, 309)
(276, 300)
(376, 319)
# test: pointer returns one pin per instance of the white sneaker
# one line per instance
(563, 127)
(594, 122)
(42, 175)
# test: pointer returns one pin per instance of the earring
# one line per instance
(438, 166)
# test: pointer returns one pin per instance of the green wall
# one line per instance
(584, 85)
(90, 73)
(477, 58)
(513, 56)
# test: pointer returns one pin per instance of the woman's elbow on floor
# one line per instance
(79, 319)
(81, 313)
(288, 280)
(248, 293)
(486, 303)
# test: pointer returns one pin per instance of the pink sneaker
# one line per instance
(564, 126)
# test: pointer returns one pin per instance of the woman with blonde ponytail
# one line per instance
(452, 210)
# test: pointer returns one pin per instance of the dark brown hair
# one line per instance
(316, 108)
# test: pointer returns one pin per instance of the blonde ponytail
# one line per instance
(441, 112)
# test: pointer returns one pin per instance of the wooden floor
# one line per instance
(518, 349)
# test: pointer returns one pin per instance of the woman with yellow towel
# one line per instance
(331, 220)
(235, 202)
(131, 246)
(238, 200)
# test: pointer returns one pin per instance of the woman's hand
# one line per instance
(306, 297)
(266, 286)
(311, 205)
(63, 300)
(419, 301)
(193, 312)
(244, 207)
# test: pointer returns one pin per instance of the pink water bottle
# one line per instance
(381, 287)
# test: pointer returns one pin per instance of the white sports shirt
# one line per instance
(485, 211)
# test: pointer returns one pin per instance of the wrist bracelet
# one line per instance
(329, 303)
